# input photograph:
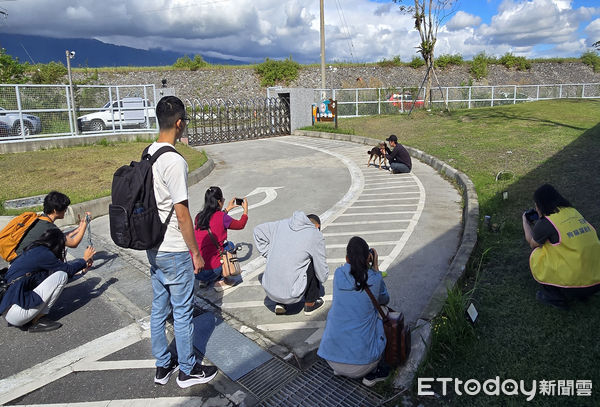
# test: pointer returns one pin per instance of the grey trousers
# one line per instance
(352, 371)
(49, 290)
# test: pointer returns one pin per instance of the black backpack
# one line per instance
(133, 214)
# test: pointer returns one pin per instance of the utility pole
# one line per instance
(323, 84)
(70, 55)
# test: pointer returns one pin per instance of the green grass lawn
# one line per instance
(515, 337)
(82, 173)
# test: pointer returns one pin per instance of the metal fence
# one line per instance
(218, 121)
(45, 111)
(374, 101)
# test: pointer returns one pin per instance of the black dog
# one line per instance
(378, 152)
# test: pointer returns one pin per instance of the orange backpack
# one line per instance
(13, 233)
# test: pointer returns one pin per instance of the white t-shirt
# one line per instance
(170, 187)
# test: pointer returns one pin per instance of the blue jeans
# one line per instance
(172, 276)
(398, 168)
(210, 275)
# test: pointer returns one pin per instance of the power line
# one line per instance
(345, 24)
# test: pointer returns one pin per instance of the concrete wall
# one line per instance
(301, 100)
(243, 83)
(22, 146)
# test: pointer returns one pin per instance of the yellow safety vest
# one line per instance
(572, 262)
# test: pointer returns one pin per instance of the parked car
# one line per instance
(127, 112)
(32, 123)
(405, 101)
(4, 129)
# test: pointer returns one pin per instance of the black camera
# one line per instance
(531, 215)
(239, 201)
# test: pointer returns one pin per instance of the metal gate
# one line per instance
(221, 121)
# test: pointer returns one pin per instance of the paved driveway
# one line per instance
(102, 352)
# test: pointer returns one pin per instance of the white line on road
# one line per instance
(366, 232)
(378, 213)
(343, 245)
(380, 206)
(116, 365)
(368, 222)
(59, 366)
(284, 326)
(388, 188)
(390, 199)
(389, 193)
(253, 304)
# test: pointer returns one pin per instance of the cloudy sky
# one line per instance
(356, 30)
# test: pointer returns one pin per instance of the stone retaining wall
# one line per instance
(243, 83)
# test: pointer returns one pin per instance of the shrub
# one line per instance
(592, 59)
(272, 72)
(444, 60)
(510, 61)
(395, 61)
(185, 62)
(416, 62)
(52, 72)
(479, 65)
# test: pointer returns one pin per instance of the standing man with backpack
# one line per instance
(172, 268)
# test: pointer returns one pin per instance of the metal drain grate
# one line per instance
(319, 387)
(268, 378)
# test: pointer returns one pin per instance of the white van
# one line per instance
(126, 113)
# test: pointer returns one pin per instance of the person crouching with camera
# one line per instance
(37, 278)
(212, 223)
(354, 340)
(566, 250)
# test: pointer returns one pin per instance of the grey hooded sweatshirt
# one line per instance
(289, 245)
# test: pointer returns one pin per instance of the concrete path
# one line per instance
(102, 352)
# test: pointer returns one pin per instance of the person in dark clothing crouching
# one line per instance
(37, 278)
(399, 158)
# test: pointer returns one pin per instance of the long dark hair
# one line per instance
(548, 200)
(357, 252)
(212, 196)
(54, 239)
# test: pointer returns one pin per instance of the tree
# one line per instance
(428, 15)
(11, 71)
(596, 45)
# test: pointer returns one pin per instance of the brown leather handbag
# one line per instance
(229, 261)
(397, 335)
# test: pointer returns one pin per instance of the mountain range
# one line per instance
(90, 53)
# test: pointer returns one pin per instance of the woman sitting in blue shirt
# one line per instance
(37, 277)
(354, 341)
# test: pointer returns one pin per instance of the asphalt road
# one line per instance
(102, 352)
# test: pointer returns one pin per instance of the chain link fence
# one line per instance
(373, 101)
(38, 111)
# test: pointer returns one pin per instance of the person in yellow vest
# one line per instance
(566, 250)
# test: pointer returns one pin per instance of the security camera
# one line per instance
(72, 54)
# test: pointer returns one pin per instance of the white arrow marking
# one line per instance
(270, 195)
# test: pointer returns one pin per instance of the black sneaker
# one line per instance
(199, 374)
(280, 309)
(379, 374)
(309, 309)
(541, 296)
(44, 324)
(164, 373)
